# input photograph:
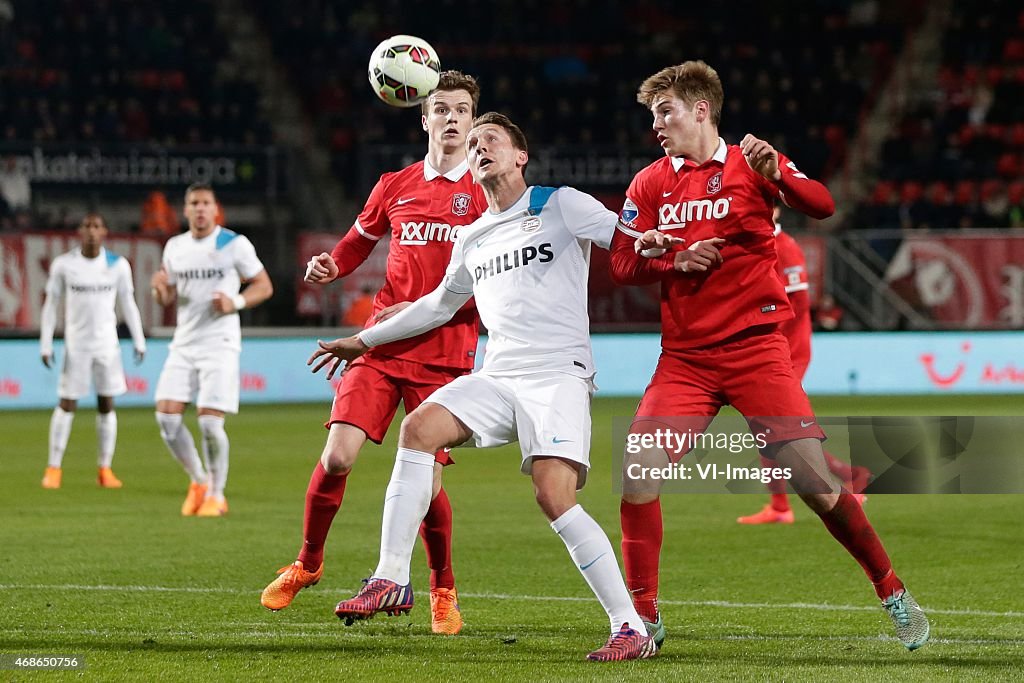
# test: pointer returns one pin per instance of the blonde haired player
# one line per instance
(89, 280)
(202, 272)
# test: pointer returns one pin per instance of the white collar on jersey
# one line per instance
(454, 175)
(778, 229)
(719, 156)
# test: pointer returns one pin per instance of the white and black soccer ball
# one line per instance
(403, 70)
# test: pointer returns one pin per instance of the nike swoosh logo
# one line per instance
(404, 201)
(588, 565)
(805, 425)
(555, 439)
(666, 194)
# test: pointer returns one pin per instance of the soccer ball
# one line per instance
(403, 70)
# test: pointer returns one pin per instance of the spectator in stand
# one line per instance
(159, 218)
(361, 308)
(15, 188)
(828, 315)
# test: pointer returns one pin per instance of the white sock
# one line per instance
(592, 552)
(106, 435)
(60, 431)
(215, 452)
(405, 505)
(182, 447)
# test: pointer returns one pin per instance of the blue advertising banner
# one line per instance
(274, 369)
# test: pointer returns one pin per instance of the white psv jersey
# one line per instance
(90, 287)
(528, 268)
(198, 268)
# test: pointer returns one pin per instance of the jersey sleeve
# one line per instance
(799, 192)
(585, 217)
(372, 222)
(247, 263)
(638, 215)
(457, 277)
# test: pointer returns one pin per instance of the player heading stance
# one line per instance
(89, 279)
(202, 271)
(792, 268)
(535, 385)
(424, 207)
(720, 316)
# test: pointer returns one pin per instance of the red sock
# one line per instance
(839, 468)
(776, 487)
(323, 498)
(847, 523)
(641, 553)
(436, 532)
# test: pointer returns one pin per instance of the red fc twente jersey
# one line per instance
(722, 197)
(423, 211)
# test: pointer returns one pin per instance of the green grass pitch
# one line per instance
(120, 578)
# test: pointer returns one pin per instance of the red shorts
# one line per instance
(371, 389)
(751, 371)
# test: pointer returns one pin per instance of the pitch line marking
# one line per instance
(508, 596)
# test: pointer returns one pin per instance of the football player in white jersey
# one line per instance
(202, 273)
(89, 280)
(526, 260)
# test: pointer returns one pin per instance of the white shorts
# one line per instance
(548, 413)
(212, 373)
(104, 368)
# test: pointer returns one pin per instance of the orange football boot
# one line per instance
(107, 480)
(194, 499)
(51, 478)
(291, 579)
(445, 615)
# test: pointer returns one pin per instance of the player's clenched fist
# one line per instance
(321, 269)
(336, 353)
(761, 157)
(700, 257)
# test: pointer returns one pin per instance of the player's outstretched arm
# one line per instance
(795, 189)
(426, 313)
(336, 353)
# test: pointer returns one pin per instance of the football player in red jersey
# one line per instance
(422, 207)
(722, 303)
(792, 268)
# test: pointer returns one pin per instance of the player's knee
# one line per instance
(419, 432)
(820, 503)
(337, 459)
(212, 426)
(554, 501)
(169, 424)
